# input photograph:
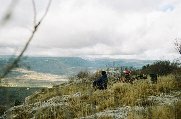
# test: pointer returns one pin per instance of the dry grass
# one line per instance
(105, 117)
(158, 112)
(125, 94)
(166, 84)
(117, 95)
(58, 112)
(45, 94)
(76, 87)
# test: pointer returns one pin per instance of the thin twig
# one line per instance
(46, 11)
(35, 13)
(35, 28)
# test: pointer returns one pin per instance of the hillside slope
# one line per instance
(77, 99)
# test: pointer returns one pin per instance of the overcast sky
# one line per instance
(132, 29)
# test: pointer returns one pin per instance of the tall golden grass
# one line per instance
(158, 112)
(117, 95)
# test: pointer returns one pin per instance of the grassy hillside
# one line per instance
(77, 99)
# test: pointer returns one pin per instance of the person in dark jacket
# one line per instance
(101, 83)
(153, 77)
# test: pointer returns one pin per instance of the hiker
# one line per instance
(144, 76)
(153, 77)
(101, 83)
(127, 76)
(127, 72)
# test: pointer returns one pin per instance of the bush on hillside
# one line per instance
(161, 68)
(83, 74)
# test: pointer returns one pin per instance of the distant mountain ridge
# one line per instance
(72, 65)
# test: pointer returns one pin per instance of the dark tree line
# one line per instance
(161, 68)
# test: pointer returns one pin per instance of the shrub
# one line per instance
(161, 68)
(83, 74)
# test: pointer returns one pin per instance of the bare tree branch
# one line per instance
(46, 11)
(35, 13)
(35, 28)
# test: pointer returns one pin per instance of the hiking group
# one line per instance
(101, 82)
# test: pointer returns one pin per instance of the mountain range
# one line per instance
(71, 65)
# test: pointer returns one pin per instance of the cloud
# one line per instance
(167, 7)
(98, 28)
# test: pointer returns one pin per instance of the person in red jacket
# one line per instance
(127, 75)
